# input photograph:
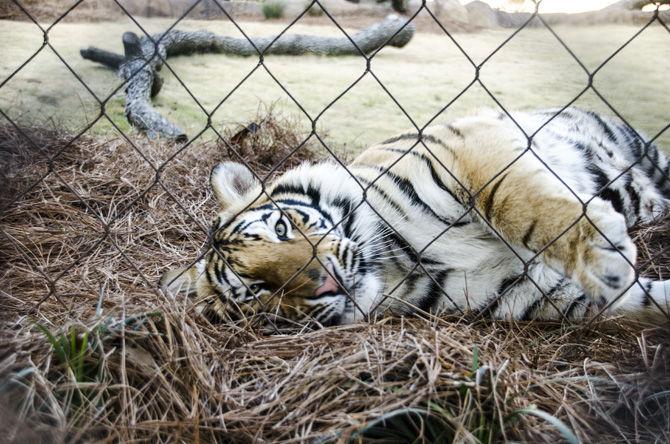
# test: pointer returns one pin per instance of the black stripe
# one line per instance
(245, 226)
(567, 314)
(291, 202)
(385, 196)
(585, 149)
(491, 306)
(634, 199)
(607, 151)
(304, 216)
(424, 138)
(663, 176)
(434, 292)
(218, 268)
(395, 258)
(410, 282)
(401, 151)
(405, 136)
(438, 181)
(216, 222)
(297, 203)
(633, 142)
(225, 245)
(363, 266)
(285, 188)
(237, 227)
(651, 169)
(614, 197)
(560, 284)
(221, 276)
(652, 153)
(210, 279)
(456, 131)
(408, 250)
(603, 190)
(410, 192)
(345, 205)
(529, 234)
(647, 294)
(488, 206)
(604, 126)
(505, 286)
(529, 312)
(431, 168)
(567, 113)
(225, 279)
(599, 177)
(435, 140)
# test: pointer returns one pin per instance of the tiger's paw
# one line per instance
(606, 257)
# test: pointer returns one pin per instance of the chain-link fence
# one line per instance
(94, 349)
(185, 143)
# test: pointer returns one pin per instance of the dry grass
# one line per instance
(126, 363)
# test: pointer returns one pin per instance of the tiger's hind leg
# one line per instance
(529, 208)
(545, 294)
(646, 299)
(524, 203)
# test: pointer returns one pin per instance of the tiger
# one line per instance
(470, 217)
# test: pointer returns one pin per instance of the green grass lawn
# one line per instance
(532, 70)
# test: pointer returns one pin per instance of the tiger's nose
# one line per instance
(329, 285)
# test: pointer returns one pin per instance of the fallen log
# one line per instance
(144, 56)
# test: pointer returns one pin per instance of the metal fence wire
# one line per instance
(50, 157)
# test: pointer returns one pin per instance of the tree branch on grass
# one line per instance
(144, 56)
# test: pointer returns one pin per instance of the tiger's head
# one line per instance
(292, 250)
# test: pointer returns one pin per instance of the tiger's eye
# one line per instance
(280, 228)
(255, 288)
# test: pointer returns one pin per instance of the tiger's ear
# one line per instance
(230, 181)
(181, 280)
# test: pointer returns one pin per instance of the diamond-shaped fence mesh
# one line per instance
(91, 222)
(157, 168)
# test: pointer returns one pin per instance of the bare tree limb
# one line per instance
(109, 59)
(144, 57)
(139, 69)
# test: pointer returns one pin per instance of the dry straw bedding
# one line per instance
(140, 366)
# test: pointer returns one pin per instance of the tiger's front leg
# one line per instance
(596, 251)
(532, 210)
(591, 245)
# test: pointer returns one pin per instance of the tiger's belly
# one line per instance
(459, 270)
